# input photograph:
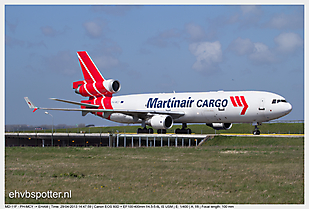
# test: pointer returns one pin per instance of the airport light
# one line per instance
(52, 140)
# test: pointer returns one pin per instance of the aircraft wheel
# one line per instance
(177, 131)
(150, 131)
(139, 130)
(256, 132)
(189, 131)
(161, 131)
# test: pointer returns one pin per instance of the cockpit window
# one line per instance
(278, 101)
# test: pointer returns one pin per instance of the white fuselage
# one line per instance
(206, 107)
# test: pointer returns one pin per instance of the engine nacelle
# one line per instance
(110, 86)
(220, 126)
(160, 122)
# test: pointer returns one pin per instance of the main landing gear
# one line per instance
(161, 131)
(256, 130)
(150, 131)
(183, 130)
(145, 130)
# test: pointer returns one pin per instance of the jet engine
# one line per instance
(220, 126)
(160, 122)
(110, 86)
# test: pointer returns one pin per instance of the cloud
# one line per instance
(250, 9)
(51, 32)
(208, 56)
(287, 21)
(63, 62)
(105, 55)
(288, 42)
(11, 26)
(106, 47)
(94, 29)
(11, 41)
(259, 53)
(241, 46)
(196, 32)
(48, 31)
(250, 17)
(262, 54)
(106, 62)
(165, 39)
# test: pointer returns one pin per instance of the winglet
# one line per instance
(30, 104)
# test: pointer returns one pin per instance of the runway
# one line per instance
(266, 135)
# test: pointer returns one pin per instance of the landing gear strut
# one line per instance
(256, 131)
(144, 130)
(183, 130)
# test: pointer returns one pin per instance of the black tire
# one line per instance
(256, 132)
(177, 131)
(189, 131)
(139, 131)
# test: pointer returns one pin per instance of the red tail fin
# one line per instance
(90, 71)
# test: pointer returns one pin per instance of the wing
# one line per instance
(76, 103)
(94, 108)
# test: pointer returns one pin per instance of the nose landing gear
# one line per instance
(256, 130)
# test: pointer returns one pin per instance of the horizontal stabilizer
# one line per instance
(174, 114)
(76, 103)
(94, 108)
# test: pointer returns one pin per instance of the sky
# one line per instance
(150, 49)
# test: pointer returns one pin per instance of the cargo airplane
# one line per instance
(160, 111)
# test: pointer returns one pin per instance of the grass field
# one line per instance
(265, 128)
(224, 170)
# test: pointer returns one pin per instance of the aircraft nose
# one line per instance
(288, 108)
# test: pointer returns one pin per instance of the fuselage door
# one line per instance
(262, 110)
(262, 105)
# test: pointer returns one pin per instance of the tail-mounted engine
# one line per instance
(220, 126)
(106, 87)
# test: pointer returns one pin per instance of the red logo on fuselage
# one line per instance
(240, 102)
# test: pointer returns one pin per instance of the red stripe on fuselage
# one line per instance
(238, 101)
(245, 105)
(107, 102)
(233, 101)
